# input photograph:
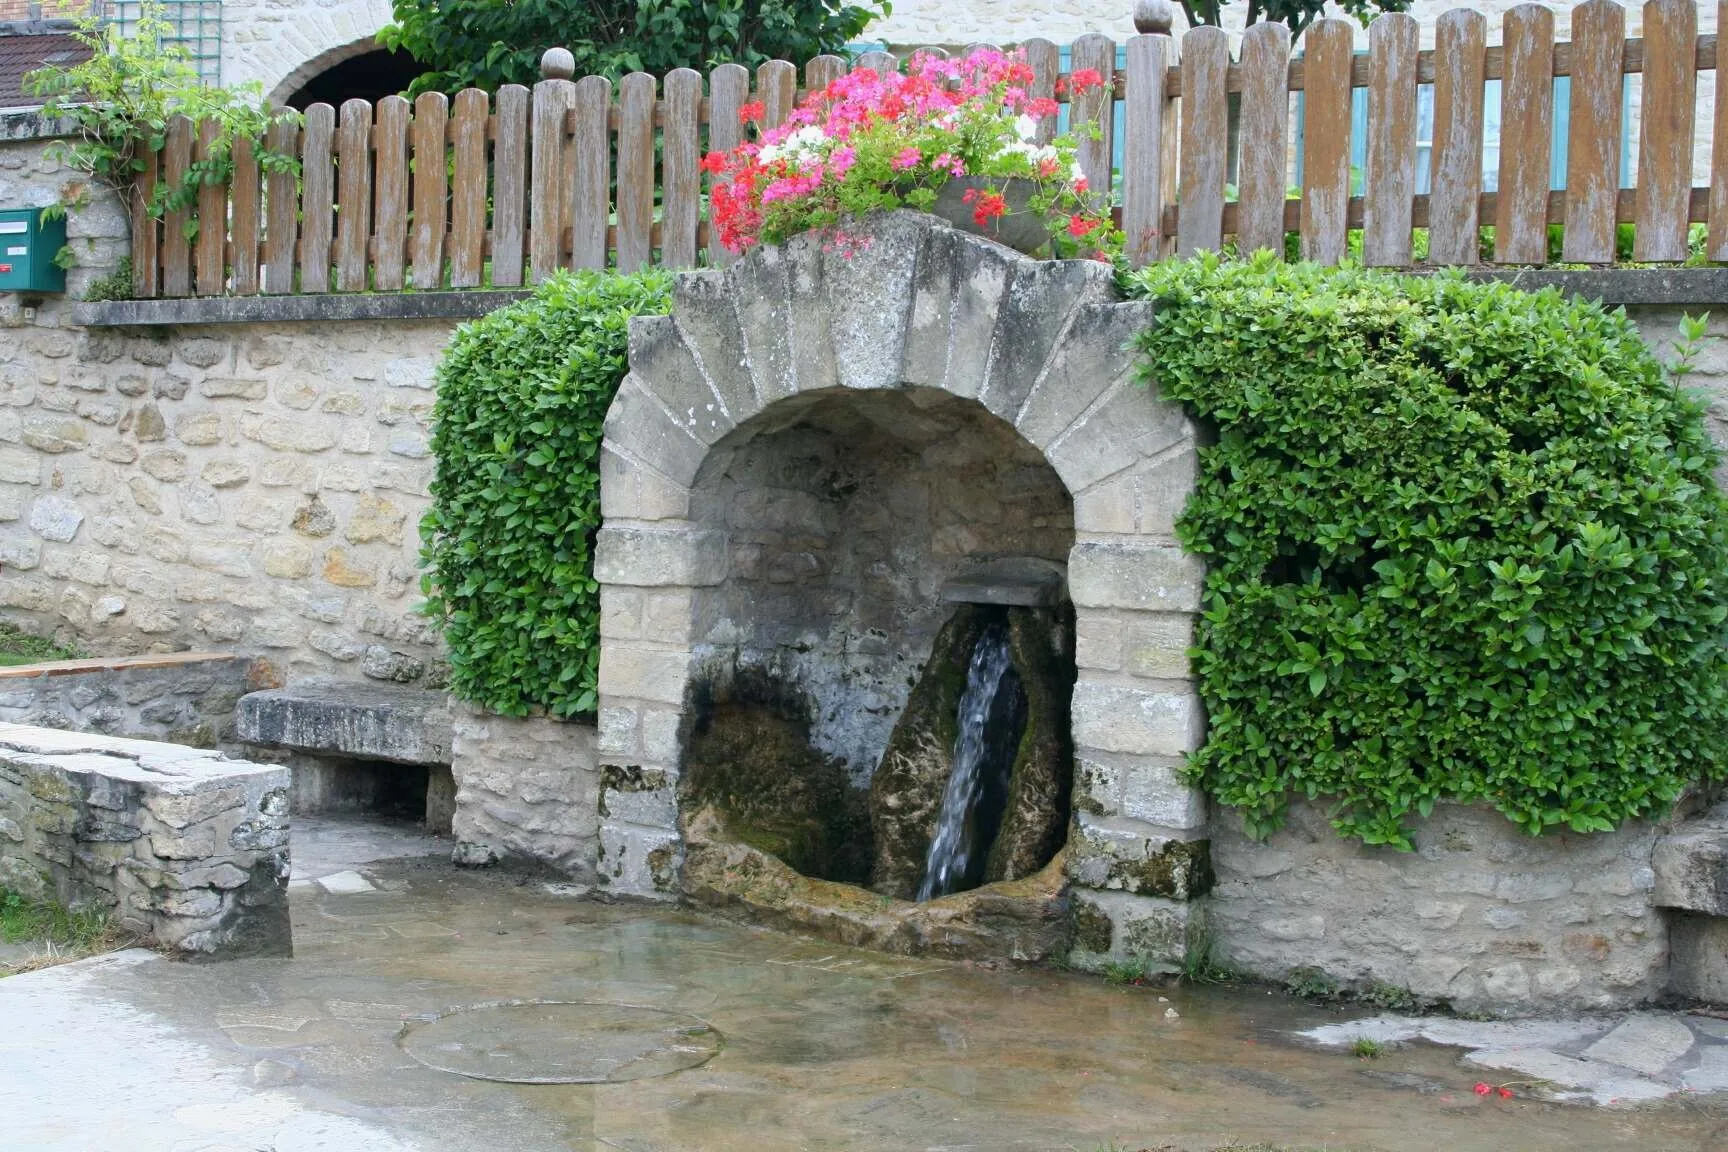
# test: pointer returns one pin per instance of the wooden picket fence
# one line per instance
(501, 190)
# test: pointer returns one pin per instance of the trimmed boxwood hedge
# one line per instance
(508, 543)
(1463, 543)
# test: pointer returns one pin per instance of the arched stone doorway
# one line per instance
(974, 341)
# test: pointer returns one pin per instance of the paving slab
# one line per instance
(346, 884)
(1604, 1083)
(1647, 1043)
(1711, 1074)
(738, 1040)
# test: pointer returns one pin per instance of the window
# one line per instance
(197, 28)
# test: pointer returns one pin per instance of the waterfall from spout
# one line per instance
(990, 721)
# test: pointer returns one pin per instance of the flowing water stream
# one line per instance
(991, 716)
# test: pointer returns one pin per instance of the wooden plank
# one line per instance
(1717, 242)
(1262, 179)
(1097, 53)
(317, 198)
(1593, 131)
(1526, 136)
(468, 191)
(1390, 176)
(509, 185)
(728, 90)
(1326, 137)
(881, 63)
(546, 181)
(1460, 49)
(390, 195)
(636, 169)
(353, 194)
(777, 89)
(1205, 137)
(176, 250)
(431, 188)
(820, 72)
(282, 212)
(1665, 117)
(1145, 121)
(681, 153)
(591, 173)
(210, 250)
(146, 230)
(1046, 61)
(247, 221)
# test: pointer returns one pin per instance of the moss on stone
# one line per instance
(1092, 928)
(906, 791)
(1041, 781)
(751, 762)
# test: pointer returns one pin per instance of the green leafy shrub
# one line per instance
(1463, 543)
(508, 543)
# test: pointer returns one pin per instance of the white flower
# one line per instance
(810, 137)
(1075, 172)
(769, 153)
(1025, 126)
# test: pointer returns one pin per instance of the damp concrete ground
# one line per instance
(418, 995)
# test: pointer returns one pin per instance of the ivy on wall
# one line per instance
(508, 542)
(1463, 543)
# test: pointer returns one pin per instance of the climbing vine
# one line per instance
(121, 100)
(1463, 543)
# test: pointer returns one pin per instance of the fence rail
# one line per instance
(503, 189)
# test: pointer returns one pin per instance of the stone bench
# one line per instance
(1691, 865)
(184, 846)
(336, 734)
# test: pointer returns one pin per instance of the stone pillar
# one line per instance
(649, 574)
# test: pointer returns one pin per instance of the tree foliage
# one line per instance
(488, 43)
(508, 544)
(1463, 543)
(1296, 14)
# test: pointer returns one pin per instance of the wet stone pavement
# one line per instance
(417, 1004)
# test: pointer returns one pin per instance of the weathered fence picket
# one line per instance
(498, 191)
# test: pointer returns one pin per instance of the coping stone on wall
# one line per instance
(454, 305)
(1616, 286)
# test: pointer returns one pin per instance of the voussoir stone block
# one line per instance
(661, 359)
(1031, 324)
(870, 292)
(704, 312)
(660, 556)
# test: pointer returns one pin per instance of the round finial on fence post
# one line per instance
(1154, 17)
(557, 64)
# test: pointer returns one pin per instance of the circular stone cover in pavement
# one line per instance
(540, 1042)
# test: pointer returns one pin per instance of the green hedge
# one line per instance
(1463, 544)
(508, 543)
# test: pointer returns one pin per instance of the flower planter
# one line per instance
(1019, 228)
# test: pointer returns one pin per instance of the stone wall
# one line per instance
(185, 847)
(527, 791)
(186, 698)
(248, 485)
(1481, 915)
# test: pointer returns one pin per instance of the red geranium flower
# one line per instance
(1482, 1089)
(754, 110)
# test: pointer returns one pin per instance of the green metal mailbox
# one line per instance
(28, 245)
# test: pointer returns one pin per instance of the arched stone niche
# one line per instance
(924, 340)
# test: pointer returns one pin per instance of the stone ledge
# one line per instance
(1691, 865)
(346, 718)
(458, 304)
(117, 664)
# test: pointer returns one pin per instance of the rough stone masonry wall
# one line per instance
(527, 791)
(184, 698)
(248, 486)
(186, 847)
(1481, 915)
